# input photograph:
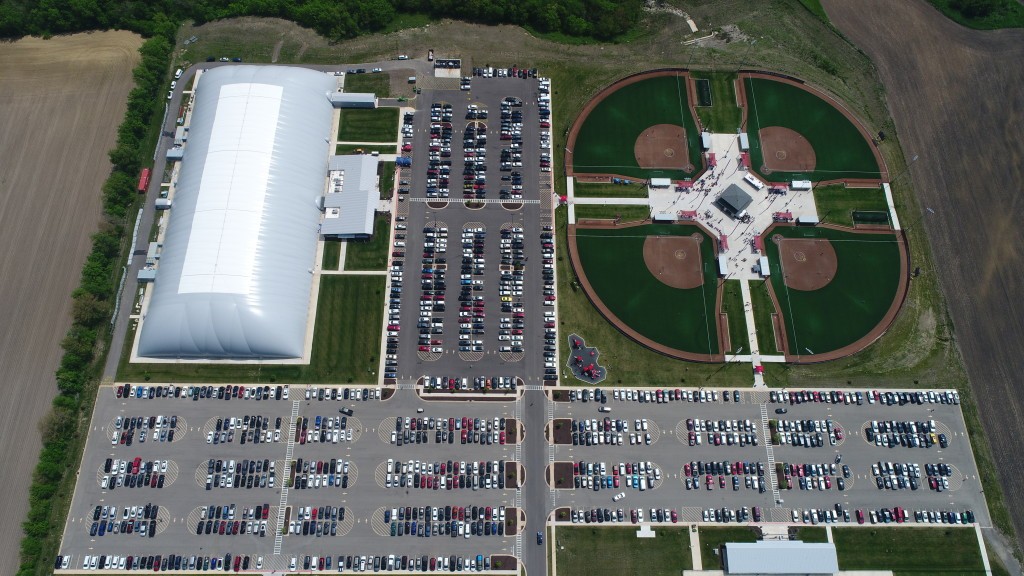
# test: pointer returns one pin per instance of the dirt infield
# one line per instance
(674, 260)
(61, 101)
(662, 146)
(786, 150)
(809, 263)
(629, 332)
(608, 91)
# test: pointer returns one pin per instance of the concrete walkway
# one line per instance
(981, 546)
(570, 195)
(748, 311)
(698, 564)
(892, 206)
(341, 257)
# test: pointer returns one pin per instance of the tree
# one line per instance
(88, 310)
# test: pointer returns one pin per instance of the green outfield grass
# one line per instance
(836, 203)
(909, 551)
(368, 125)
(346, 344)
(379, 83)
(732, 306)
(370, 254)
(840, 149)
(605, 141)
(616, 551)
(852, 304)
(680, 319)
(723, 116)
(627, 212)
(599, 190)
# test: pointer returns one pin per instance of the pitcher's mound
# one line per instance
(674, 260)
(663, 146)
(808, 263)
(786, 150)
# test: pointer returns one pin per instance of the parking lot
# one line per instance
(728, 470)
(473, 275)
(347, 499)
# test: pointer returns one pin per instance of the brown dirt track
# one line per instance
(674, 260)
(957, 100)
(786, 150)
(662, 146)
(60, 103)
(810, 263)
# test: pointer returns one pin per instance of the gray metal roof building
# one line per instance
(352, 196)
(734, 201)
(353, 99)
(780, 557)
(234, 278)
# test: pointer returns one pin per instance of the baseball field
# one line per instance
(796, 134)
(60, 102)
(671, 298)
(640, 127)
(835, 288)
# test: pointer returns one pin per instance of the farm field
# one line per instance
(615, 551)
(47, 122)
(977, 241)
(679, 318)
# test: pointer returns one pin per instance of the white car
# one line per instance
(618, 496)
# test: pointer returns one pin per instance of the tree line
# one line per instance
(334, 19)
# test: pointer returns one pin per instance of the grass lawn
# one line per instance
(815, 7)
(346, 343)
(852, 304)
(713, 538)
(627, 212)
(366, 149)
(991, 14)
(811, 534)
(332, 254)
(732, 305)
(386, 171)
(370, 254)
(723, 116)
(379, 84)
(606, 138)
(763, 309)
(596, 190)
(836, 203)
(617, 551)
(677, 318)
(840, 149)
(627, 360)
(933, 551)
(368, 125)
